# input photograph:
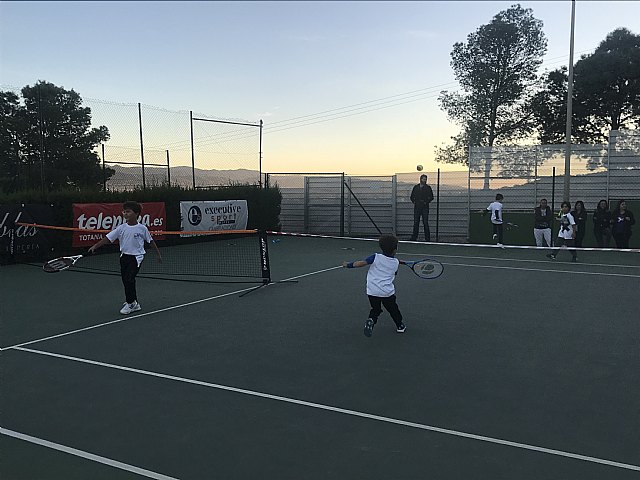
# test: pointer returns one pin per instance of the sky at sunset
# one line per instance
(340, 86)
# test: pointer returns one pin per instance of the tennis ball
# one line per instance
(419, 168)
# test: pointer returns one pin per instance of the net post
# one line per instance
(264, 257)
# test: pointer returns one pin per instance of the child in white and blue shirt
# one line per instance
(381, 291)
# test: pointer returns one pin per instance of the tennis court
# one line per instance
(512, 366)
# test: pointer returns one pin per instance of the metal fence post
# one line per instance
(342, 205)
(394, 203)
(193, 155)
(144, 185)
(168, 170)
(438, 208)
(104, 172)
(611, 135)
(306, 205)
(469, 196)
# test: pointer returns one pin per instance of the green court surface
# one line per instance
(512, 367)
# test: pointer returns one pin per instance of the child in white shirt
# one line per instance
(380, 288)
(132, 237)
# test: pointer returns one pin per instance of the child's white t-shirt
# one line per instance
(496, 212)
(381, 274)
(131, 238)
(566, 231)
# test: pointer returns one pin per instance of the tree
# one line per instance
(549, 107)
(606, 93)
(496, 68)
(52, 138)
(607, 82)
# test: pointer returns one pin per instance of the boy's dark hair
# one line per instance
(131, 205)
(565, 204)
(388, 243)
(499, 196)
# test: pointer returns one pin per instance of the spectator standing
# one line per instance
(602, 224)
(622, 221)
(421, 196)
(542, 225)
(580, 216)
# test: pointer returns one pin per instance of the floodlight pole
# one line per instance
(567, 153)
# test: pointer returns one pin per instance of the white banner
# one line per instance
(210, 216)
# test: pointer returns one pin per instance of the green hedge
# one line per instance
(263, 204)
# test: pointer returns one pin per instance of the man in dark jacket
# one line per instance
(421, 196)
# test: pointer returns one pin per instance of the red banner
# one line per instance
(107, 216)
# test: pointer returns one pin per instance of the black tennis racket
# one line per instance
(61, 263)
(426, 268)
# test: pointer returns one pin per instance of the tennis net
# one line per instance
(216, 256)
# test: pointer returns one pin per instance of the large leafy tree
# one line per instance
(606, 93)
(51, 140)
(496, 68)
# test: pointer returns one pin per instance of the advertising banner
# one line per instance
(24, 242)
(211, 216)
(107, 216)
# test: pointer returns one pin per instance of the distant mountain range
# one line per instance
(131, 177)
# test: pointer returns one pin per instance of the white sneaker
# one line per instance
(495, 235)
(127, 308)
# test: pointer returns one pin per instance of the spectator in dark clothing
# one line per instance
(542, 225)
(421, 196)
(580, 216)
(621, 222)
(602, 224)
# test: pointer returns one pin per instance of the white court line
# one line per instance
(543, 270)
(64, 334)
(612, 265)
(86, 455)
(344, 411)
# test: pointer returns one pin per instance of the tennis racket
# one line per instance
(426, 268)
(61, 263)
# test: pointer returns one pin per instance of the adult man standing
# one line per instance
(421, 196)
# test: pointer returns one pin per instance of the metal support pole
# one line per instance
(41, 131)
(469, 196)
(612, 139)
(305, 207)
(567, 153)
(144, 184)
(260, 154)
(104, 171)
(553, 200)
(438, 208)
(342, 205)
(193, 156)
(168, 170)
(394, 203)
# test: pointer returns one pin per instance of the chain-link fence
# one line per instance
(526, 174)
(365, 206)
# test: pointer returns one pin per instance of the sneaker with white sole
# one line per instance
(401, 328)
(127, 308)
